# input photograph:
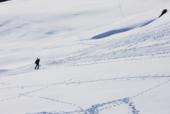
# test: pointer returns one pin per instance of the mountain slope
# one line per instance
(97, 57)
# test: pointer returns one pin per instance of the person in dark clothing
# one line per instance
(37, 63)
(163, 12)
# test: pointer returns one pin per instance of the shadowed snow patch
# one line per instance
(122, 30)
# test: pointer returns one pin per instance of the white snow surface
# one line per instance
(97, 57)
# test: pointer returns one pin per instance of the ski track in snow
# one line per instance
(79, 82)
(96, 108)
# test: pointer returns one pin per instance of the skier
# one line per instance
(163, 12)
(37, 62)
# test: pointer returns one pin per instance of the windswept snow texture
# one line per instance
(97, 57)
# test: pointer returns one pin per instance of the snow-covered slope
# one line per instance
(97, 57)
